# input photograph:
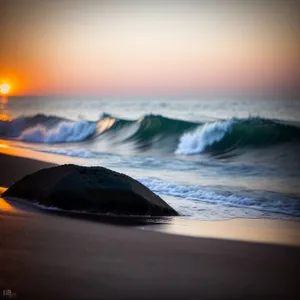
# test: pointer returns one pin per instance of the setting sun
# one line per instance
(4, 88)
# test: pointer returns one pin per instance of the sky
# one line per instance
(148, 47)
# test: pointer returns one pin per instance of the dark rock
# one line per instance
(91, 189)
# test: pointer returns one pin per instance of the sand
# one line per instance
(13, 168)
(47, 256)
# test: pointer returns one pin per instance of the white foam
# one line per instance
(70, 152)
(197, 195)
(205, 135)
(64, 132)
(192, 192)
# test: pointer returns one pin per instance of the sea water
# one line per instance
(210, 158)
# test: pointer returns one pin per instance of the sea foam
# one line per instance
(205, 135)
(65, 132)
(197, 194)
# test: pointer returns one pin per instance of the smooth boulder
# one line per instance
(90, 189)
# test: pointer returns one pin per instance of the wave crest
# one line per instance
(64, 132)
(154, 132)
(227, 135)
(204, 136)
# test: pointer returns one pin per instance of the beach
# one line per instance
(49, 256)
(149, 150)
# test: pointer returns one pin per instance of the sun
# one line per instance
(4, 88)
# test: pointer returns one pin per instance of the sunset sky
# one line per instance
(148, 47)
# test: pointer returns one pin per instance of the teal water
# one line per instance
(210, 158)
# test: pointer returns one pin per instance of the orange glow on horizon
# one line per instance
(151, 48)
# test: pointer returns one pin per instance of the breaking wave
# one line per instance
(64, 132)
(46, 129)
(154, 132)
(227, 135)
(199, 140)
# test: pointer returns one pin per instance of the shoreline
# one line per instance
(263, 231)
(20, 162)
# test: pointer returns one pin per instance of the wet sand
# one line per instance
(48, 256)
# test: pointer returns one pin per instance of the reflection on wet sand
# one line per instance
(6, 207)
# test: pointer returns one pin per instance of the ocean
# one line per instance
(211, 158)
